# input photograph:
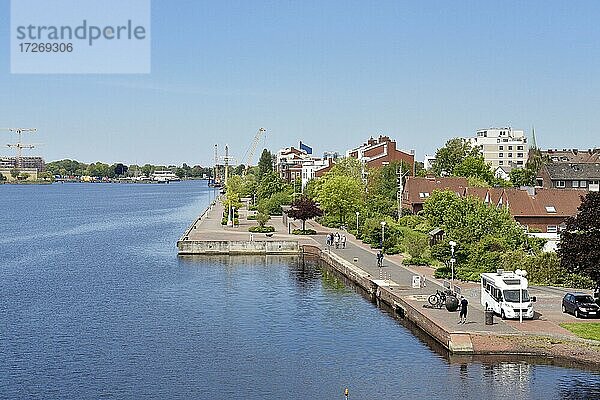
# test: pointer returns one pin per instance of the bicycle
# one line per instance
(438, 299)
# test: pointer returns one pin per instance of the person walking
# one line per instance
(463, 310)
(343, 241)
(336, 240)
(328, 240)
(380, 259)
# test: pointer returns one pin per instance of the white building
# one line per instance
(428, 162)
(502, 147)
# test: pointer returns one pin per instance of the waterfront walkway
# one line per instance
(393, 284)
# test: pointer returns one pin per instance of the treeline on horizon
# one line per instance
(73, 168)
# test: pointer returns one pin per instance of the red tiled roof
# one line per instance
(545, 202)
(415, 186)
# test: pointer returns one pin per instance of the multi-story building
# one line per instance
(502, 147)
(381, 151)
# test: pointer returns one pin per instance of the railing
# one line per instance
(197, 220)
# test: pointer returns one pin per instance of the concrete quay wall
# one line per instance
(191, 247)
(457, 343)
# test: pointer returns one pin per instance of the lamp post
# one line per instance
(229, 222)
(452, 261)
(382, 234)
(357, 214)
(522, 274)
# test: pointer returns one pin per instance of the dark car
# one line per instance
(580, 305)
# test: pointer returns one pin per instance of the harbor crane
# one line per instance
(249, 155)
(20, 145)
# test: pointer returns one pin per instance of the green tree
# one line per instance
(24, 176)
(349, 167)
(2, 178)
(475, 166)
(120, 169)
(148, 169)
(270, 184)
(14, 173)
(341, 195)
(522, 177)
(579, 246)
(265, 163)
(451, 155)
(262, 219)
(303, 209)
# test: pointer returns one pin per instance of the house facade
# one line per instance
(585, 176)
(376, 153)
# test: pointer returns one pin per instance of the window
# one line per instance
(500, 155)
(520, 162)
(551, 229)
(505, 140)
(501, 162)
(560, 184)
(582, 183)
(519, 155)
(519, 147)
(539, 182)
(575, 184)
(500, 147)
(510, 147)
(551, 209)
(510, 155)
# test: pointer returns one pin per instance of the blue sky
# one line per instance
(329, 73)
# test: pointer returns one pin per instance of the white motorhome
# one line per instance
(506, 294)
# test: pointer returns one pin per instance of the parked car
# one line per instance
(580, 305)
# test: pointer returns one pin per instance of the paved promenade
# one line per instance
(548, 314)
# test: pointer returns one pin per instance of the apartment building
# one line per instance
(381, 151)
(506, 148)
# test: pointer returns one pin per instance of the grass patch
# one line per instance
(584, 330)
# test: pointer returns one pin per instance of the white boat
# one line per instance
(164, 177)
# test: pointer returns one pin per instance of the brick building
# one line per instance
(381, 151)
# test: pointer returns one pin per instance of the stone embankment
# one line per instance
(392, 284)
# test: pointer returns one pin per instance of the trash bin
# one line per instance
(451, 303)
(489, 317)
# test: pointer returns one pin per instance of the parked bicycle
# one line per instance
(438, 299)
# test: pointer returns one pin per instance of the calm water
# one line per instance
(94, 303)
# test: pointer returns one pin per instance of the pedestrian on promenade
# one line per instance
(343, 241)
(380, 259)
(463, 310)
(328, 239)
(336, 240)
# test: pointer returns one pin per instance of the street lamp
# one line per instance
(522, 274)
(382, 234)
(452, 261)
(357, 214)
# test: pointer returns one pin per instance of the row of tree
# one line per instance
(73, 168)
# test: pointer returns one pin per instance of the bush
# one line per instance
(416, 261)
(443, 272)
(304, 232)
(251, 217)
(235, 221)
(261, 229)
